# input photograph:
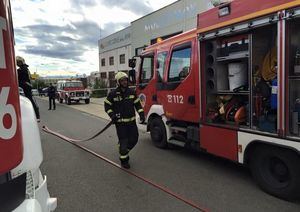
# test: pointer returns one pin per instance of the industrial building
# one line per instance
(117, 48)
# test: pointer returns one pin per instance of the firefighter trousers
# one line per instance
(128, 137)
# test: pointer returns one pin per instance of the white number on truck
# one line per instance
(2, 55)
(7, 109)
(177, 99)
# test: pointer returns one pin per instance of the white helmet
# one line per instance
(120, 75)
(20, 60)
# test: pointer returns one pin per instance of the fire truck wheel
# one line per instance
(158, 133)
(87, 101)
(68, 101)
(60, 100)
(276, 171)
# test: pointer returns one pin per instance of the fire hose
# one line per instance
(77, 141)
(47, 130)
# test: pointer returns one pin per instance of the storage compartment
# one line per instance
(226, 77)
(264, 79)
(293, 66)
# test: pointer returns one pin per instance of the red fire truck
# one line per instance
(22, 186)
(72, 90)
(231, 88)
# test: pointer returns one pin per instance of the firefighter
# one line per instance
(120, 105)
(25, 83)
(51, 96)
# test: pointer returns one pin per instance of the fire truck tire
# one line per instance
(67, 100)
(87, 101)
(60, 100)
(276, 171)
(158, 133)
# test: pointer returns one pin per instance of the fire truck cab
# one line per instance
(23, 188)
(231, 88)
(72, 90)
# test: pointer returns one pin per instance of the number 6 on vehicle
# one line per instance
(7, 130)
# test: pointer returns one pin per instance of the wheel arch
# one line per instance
(154, 112)
(253, 145)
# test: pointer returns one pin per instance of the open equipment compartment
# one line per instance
(227, 61)
(241, 79)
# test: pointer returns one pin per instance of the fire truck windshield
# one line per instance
(74, 84)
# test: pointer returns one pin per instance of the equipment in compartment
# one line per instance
(297, 62)
(227, 80)
(274, 92)
(234, 45)
(268, 122)
(228, 109)
(237, 75)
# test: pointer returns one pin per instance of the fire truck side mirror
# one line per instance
(131, 76)
(132, 63)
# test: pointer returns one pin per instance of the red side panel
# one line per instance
(220, 142)
(238, 9)
(11, 149)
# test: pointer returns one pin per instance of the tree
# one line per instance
(99, 88)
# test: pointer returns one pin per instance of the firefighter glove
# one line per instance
(114, 118)
(142, 118)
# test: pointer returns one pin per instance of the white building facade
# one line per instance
(168, 21)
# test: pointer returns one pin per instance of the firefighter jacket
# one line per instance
(123, 105)
(24, 78)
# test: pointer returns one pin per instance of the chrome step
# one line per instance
(176, 142)
(181, 129)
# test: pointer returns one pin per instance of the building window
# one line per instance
(103, 75)
(103, 62)
(122, 59)
(111, 61)
(139, 50)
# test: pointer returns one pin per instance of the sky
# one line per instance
(60, 37)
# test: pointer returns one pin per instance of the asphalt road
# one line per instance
(83, 182)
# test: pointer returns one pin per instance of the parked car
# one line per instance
(44, 92)
(35, 92)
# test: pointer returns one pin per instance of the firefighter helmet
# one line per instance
(20, 60)
(120, 75)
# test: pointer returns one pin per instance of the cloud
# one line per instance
(137, 7)
(64, 42)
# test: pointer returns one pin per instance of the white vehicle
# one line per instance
(72, 90)
(23, 188)
(35, 92)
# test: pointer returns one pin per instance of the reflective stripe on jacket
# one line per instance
(123, 105)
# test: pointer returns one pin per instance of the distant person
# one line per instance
(51, 95)
(25, 83)
(120, 105)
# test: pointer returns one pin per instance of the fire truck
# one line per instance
(231, 88)
(72, 90)
(22, 185)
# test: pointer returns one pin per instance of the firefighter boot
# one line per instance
(125, 164)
